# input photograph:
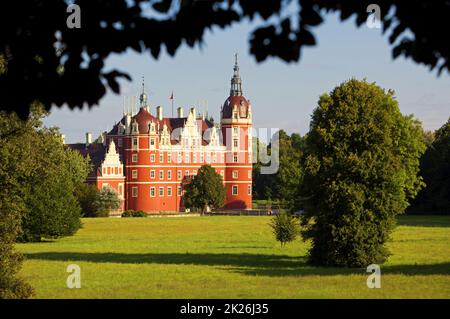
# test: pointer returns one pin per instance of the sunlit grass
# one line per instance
(228, 257)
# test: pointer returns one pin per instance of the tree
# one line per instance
(205, 189)
(52, 209)
(361, 169)
(285, 227)
(106, 200)
(435, 169)
(13, 174)
(49, 62)
(281, 186)
(86, 195)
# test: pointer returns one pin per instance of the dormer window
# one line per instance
(235, 115)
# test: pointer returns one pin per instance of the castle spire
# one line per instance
(143, 96)
(236, 83)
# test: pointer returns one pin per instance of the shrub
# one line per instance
(106, 200)
(285, 227)
(134, 213)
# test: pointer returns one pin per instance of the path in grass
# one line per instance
(227, 257)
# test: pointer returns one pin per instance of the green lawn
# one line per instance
(228, 257)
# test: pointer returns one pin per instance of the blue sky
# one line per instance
(282, 95)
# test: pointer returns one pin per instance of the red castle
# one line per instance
(147, 158)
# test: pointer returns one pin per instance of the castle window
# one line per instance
(202, 157)
(134, 173)
(186, 157)
(152, 158)
(222, 173)
(179, 175)
(119, 142)
(134, 158)
(179, 190)
(234, 190)
(179, 157)
(235, 143)
(194, 173)
(134, 191)
(135, 143)
(249, 189)
(235, 159)
(186, 173)
(208, 157)
(152, 173)
(235, 115)
(214, 157)
(161, 191)
(152, 191)
(169, 191)
(169, 158)
(235, 174)
(161, 174)
(152, 142)
(194, 157)
(169, 175)
(161, 157)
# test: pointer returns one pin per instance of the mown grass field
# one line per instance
(228, 257)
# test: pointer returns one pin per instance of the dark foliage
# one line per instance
(48, 62)
(435, 169)
(134, 213)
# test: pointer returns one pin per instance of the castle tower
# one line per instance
(236, 126)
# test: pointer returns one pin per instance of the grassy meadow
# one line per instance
(228, 257)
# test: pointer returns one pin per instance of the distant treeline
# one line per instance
(282, 187)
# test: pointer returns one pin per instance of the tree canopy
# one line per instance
(281, 186)
(204, 189)
(48, 62)
(361, 170)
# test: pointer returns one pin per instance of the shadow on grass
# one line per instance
(250, 264)
(424, 220)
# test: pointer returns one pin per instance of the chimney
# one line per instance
(159, 114)
(63, 138)
(104, 138)
(88, 139)
(180, 111)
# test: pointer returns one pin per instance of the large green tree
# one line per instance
(361, 169)
(435, 169)
(50, 62)
(205, 189)
(281, 186)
